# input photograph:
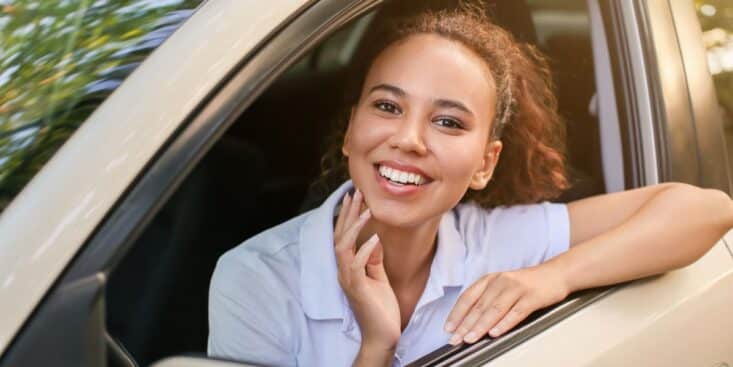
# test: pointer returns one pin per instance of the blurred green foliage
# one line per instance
(716, 19)
(58, 61)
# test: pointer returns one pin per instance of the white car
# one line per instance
(139, 140)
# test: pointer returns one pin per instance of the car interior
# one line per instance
(260, 173)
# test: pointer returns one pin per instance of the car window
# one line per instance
(260, 174)
(334, 53)
(716, 20)
(562, 32)
(59, 60)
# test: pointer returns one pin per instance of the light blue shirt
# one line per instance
(275, 299)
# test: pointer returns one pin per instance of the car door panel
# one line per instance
(660, 321)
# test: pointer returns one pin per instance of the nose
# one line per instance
(409, 136)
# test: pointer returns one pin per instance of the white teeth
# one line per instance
(401, 176)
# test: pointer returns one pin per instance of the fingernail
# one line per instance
(365, 214)
(455, 339)
(470, 337)
(373, 239)
(495, 331)
(449, 326)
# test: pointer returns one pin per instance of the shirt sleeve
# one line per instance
(558, 229)
(248, 315)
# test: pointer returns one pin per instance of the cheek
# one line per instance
(366, 134)
(460, 159)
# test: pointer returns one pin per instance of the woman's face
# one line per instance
(418, 137)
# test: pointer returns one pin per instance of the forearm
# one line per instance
(369, 357)
(672, 229)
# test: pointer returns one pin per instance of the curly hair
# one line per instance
(532, 165)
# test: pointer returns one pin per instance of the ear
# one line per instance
(345, 145)
(491, 157)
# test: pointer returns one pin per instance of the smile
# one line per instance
(401, 177)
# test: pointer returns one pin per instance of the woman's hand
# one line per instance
(499, 301)
(364, 280)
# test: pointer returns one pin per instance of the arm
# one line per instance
(373, 357)
(614, 238)
(637, 233)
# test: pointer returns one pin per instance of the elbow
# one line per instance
(713, 202)
(723, 205)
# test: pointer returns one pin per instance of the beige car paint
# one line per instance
(660, 321)
(44, 226)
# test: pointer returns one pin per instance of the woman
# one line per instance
(434, 240)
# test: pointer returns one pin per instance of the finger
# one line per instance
(345, 203)
(357, 267)
(488, 318)
(345, 246)
(518, 312)
(483, 304)
(375, 264)
(466, 301)
(354, 210)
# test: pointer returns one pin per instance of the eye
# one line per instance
(449, 123)
(388, 107)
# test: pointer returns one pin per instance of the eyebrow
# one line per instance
(389, 88)
(447, 103)
(443, 103)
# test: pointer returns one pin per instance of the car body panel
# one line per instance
(135, 121)
(659, 321)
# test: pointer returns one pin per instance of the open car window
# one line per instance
(219, 205)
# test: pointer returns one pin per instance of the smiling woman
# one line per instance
(442, 232)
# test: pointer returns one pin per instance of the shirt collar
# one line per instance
(321, 292)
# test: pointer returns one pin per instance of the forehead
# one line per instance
(433, 67)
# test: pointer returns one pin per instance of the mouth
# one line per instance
(402, 176)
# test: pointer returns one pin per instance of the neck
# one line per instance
(408, 252)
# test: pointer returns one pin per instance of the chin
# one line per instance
(393, 216)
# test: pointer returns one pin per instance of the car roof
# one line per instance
(45, 225)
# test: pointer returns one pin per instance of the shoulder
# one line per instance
(514, 236)
(471, 217)
(254, 298)
(272, 256)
